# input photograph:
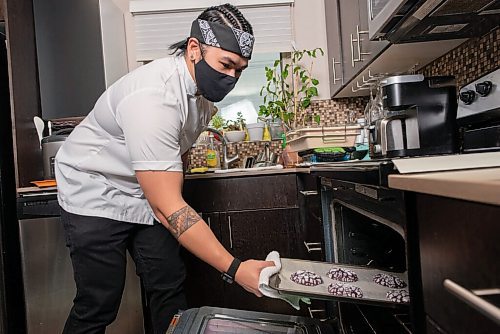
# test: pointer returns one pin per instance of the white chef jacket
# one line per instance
(144, 121)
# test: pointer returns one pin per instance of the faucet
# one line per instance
(226, 161)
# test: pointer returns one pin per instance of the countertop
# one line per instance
(247, 173)
(477, 185)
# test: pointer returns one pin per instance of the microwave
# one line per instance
(403, 21)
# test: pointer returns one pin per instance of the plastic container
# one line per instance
(255, 131)
(235, 136)
(310, 138)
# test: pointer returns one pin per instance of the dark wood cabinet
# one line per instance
(252, 234)
(203, 283)
(458, 242)
(251, 216)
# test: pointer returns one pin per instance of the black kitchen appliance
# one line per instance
(478, 114)
(402, 21)
(419, 117)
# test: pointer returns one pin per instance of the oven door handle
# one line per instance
(472, 299)
(313, 246)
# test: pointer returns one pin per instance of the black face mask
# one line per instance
(212, 84)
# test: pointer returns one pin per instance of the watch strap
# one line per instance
(230, 274)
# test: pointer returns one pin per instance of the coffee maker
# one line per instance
(419, 117)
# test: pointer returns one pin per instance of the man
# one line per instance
(120, 177)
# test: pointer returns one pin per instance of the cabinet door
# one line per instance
(334, 43)
(203, 286)
(349, 20)
(357, 50)
(310, 233)
(459, 242)
(252, 235)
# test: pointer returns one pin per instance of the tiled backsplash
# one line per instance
(331, 112)
(469, 61)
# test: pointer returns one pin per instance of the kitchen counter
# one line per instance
(247, 172)
(478, 185)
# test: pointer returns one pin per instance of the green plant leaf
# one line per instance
(276, 62)
(317, 119)
(313, 91)
(315, 82)
(306, 102)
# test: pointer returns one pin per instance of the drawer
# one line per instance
(242, 193)
(458, 242)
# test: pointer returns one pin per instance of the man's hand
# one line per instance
(248, 275)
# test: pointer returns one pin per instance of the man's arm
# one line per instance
(163, 191)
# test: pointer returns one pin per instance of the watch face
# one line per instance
(227, 278)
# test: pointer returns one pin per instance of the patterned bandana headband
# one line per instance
(224, 37)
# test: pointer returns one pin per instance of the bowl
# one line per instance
(235, 136)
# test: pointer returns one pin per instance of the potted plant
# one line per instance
(289, 89)
(234, 130)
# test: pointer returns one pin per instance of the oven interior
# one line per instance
(361, 237)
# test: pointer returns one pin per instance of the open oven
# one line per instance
(366, 234)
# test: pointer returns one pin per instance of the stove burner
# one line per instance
(389, 281)
(398, 296)
(345, 290)
(344, 275)
(306, 277)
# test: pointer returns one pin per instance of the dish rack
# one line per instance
(325, 136)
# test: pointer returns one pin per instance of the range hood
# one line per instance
(402, 21)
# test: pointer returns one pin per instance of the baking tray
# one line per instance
(373, 293)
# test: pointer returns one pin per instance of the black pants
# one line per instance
(98, 252)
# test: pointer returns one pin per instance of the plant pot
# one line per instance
(276, 130)
(235, 136)
(255, 131)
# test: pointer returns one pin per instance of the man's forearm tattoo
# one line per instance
(181, 220)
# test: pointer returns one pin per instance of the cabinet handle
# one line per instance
(311, 312)
(472, 299)
(209, 222)
(313, 246)
(308, 192)
(353, 60)
(335, 79)
(358, 42)
(230, 231)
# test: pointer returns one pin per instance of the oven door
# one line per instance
(211, 320)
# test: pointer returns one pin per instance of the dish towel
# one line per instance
(267, 291)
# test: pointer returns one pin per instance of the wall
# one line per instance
(469, 61)
(129, 31)
(310, 32)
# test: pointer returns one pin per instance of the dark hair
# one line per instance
(225, 14)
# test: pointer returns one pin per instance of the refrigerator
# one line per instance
(11, 300)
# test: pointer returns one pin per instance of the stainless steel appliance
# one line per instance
(47, 275)
(424, 20)
(211, 320)
(478, 114)
(50, 146)
(419, 117)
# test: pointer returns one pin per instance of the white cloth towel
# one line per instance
(267, 291)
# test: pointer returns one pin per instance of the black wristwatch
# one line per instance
(231, 272)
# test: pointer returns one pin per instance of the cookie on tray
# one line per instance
(389, 281)
(398, 296)
(345, 290)
(343, 275)
(306, 277)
